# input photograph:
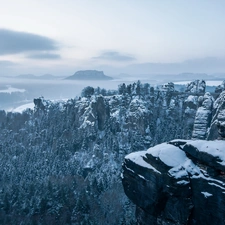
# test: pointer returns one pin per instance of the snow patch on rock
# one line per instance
(206, 194)
(138, 158)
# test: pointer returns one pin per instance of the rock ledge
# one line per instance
(179, 182)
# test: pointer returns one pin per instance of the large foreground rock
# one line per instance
(180, 182)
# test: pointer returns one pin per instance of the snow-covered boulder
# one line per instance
(180, 182)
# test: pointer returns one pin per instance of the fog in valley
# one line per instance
(17, 94)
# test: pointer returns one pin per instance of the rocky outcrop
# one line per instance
(143, 116)
(217, 127)
(220, 88)
(197, 86)
(203, 116)
(40, 103)
(180, 182)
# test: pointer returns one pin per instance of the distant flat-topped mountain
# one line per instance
(89, 75)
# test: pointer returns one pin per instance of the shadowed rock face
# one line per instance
(220, 88)
(203, 116)
(181, 182)
(217, 126)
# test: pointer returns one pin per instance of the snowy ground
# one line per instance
(21, 108)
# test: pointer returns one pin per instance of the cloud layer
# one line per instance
(47, 56)
(6, 63)
(114, 56)
(14, 42)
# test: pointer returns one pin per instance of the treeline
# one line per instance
(137, 88)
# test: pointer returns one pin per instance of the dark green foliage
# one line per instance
(87, 91)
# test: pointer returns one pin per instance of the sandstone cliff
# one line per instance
(183, 181)
(180, 182)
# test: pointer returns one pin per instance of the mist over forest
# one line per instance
(21, 90)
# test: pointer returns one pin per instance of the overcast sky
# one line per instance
(59, 37)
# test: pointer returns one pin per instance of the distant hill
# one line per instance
(26, 76)
(47, 77)
(31, 76)
(219, 75)
(193, 76)
(183, 77)
(89, 75)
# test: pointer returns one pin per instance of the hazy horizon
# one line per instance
(193, 66)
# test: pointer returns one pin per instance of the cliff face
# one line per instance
(180, 182)
(183, 181)
(203, 116)
(217, 126)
